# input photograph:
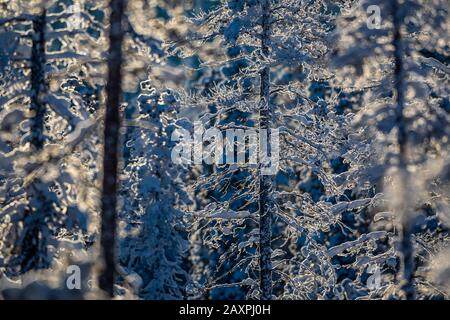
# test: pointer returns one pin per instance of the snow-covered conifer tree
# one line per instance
(393, 61)
(262, 38)
(155, 245)
(40, 209)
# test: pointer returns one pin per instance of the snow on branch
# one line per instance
(62, 107)
(212, 211)
(376, 235)
(341, 207)
(436, 64)
(21, 18)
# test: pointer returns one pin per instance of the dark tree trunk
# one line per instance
(111, 147)
(265, 181)
(38, 85)
(406, 244)
(32, 247)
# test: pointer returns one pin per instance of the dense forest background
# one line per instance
(96, 98)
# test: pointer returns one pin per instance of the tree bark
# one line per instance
(111, 147)
(406, 244)
(265, 181)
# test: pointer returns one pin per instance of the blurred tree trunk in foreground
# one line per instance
(111, 144)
